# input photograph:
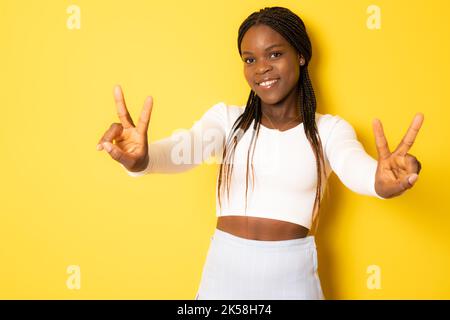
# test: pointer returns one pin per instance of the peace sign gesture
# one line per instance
(396, 171)
(130, 147)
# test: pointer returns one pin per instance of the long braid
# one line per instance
(292, 28)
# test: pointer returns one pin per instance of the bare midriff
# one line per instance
(255, 228)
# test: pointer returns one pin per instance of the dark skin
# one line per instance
(262, 60)
(397, 171)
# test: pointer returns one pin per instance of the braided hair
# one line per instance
(292, 28)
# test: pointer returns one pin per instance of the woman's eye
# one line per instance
(277, 53)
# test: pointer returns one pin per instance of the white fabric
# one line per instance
(284, 163)
(243, 269)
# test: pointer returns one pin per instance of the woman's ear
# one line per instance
(301, 60)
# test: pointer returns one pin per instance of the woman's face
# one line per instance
(268, 55)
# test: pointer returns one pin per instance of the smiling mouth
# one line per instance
(268, 84)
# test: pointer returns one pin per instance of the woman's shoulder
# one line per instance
(326, 118)
(327, 121)
(223, 114)
(224, 108)
(226, 111)
(234, 111)
(333, 126)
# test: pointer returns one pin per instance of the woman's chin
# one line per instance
(269, 98)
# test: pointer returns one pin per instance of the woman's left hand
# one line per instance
(396, 171)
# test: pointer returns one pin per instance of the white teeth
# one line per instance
(268, 83)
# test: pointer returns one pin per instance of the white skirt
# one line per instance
(242, 269)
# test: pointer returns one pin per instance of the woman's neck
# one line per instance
(284, 110)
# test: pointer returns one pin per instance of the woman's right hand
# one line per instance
(125, 142)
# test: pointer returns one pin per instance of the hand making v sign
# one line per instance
(125, 142)
(396, 171)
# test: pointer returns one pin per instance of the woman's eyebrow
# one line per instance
(267, 49)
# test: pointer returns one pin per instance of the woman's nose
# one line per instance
(263, 66)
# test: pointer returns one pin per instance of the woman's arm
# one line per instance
(348, 159)
(187, 148)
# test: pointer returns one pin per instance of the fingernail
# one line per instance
(412, 179)
(107, 146)
(99, 147)
(117, 89)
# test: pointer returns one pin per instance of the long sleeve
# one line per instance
(187, 148)
(348, 159)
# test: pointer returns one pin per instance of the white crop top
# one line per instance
(284, 165)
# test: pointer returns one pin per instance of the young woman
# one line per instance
(262, 247)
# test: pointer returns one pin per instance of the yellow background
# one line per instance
(64, 203)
